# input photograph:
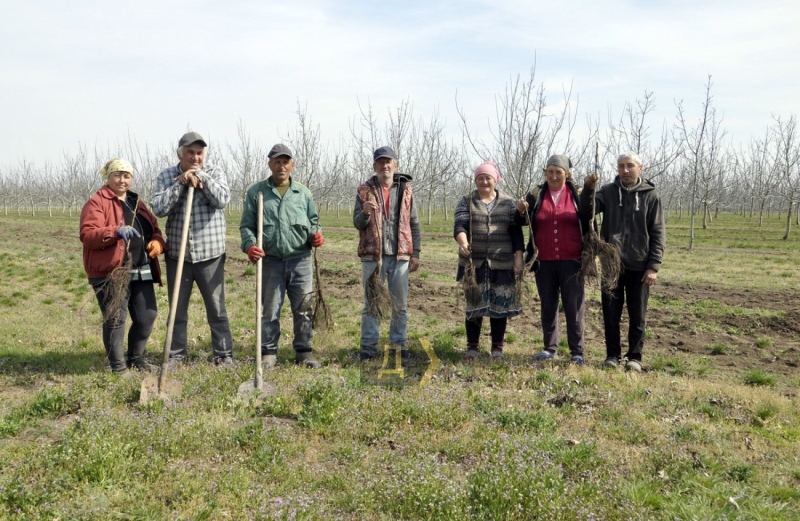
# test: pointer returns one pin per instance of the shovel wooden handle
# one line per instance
(176, 290)
(259, 268)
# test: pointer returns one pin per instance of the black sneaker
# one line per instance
(144, 366)
(405, 354)
(365, 357)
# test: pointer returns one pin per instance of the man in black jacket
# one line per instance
(633, 221)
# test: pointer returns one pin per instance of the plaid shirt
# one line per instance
(207, 228)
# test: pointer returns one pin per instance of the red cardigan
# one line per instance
(558, 234)
(103, 250)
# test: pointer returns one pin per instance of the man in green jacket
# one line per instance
(291, 228)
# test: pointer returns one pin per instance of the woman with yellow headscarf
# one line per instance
(121, 244)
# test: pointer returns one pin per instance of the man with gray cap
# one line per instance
(388, 228)
(291, 228)
(204, 261)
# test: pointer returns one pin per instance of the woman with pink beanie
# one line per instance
(490, 245)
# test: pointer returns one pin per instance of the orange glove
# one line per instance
(254, 253)
(317, 240)
(154, 249)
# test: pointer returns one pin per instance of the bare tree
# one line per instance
(632, 132)
(306, 143)
(247, 165)
(6, 189)
(787, 164)
(524, 133)
(700, 149)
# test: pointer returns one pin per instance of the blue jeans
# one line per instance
(395, 272)
(279, 278)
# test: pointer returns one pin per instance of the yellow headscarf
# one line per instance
(115, 165)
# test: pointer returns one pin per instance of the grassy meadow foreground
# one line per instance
(710, 430)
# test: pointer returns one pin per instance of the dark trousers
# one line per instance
(210, 278)
(142, 306)
(563, 279)
(497, 327)
(629, 291)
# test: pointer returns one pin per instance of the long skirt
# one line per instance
(496, 295)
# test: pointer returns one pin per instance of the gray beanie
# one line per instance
(559, 160)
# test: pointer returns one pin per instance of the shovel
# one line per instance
(254, 389)
(153, 387)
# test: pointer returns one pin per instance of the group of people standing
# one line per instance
(122, 241)
(489, 232)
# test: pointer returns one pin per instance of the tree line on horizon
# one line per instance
(696, 171)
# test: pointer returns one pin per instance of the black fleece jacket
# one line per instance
(633, 221)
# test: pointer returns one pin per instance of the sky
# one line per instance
(94, 73)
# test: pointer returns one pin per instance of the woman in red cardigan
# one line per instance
(557, 237)
(120, 233)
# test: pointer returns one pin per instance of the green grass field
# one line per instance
(710, 431)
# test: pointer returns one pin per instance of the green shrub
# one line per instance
(322, 398)
(742, 472)
(763, 342)
(759, 377)
(718, 349)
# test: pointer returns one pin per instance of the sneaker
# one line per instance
(633, 365)
(405, 354)
(545, 355)
(497, 355)
(124, 374)
(141, 365)
(577, 359)
(364, 357)
(174, 363)
(471, 355)
(269, 360)
(223, 361)
(612, 362)
(307, 359)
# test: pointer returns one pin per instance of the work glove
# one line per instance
(254, 253)
(317, 240)
(154, 249)
(127, 233)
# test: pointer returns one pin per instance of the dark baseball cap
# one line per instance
(384, 152)
(191, 138)
(280, 150)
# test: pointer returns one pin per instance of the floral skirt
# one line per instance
(496, 296)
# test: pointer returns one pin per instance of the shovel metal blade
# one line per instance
(249, 391)
(170, 391)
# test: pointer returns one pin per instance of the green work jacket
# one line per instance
(289, 221)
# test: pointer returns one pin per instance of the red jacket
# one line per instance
(103, 250)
